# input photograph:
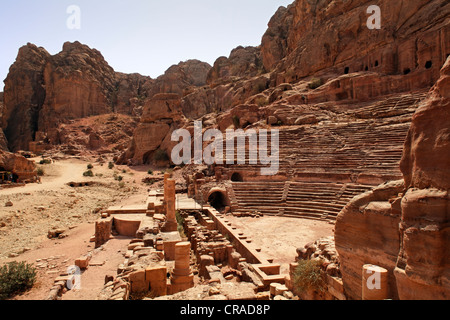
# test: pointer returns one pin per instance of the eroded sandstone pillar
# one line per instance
(166, 178)
(170, 205)
(375, 283)
(182, 278)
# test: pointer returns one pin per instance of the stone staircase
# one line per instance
(364, 144)
(259, 196)
(319, 201)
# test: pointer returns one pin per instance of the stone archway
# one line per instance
(237, 177)
(218, 199)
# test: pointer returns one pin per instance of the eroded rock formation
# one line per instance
(24, 96)
(403, 226)
(423, 268)
(22, 169)
(43, 92)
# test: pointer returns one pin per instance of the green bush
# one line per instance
(88, 173)
(150, 172)
(45, 161)
(110, 165)
(40, 172)
(309, 276)
(16, 278)
(180, 221)
(90, 166)
(315, 83)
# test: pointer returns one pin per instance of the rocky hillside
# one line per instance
(44, 91)
(318, 52)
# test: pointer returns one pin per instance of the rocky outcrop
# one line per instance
(43, 92)
(423, 268)
(312, 37)
(23, 170)
(182, 78)
(163, 112)
(97, 135)
(274, 42)
(77, 82)
(24, 96)
(130, 93)
(403, 226)
(243, 62)
(367, 233)
(3, 141)
(152, 137)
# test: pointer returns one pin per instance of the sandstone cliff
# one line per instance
(319, 37)
(423, 267)
(3, 141)
(403, 226)
(24, 96)
(43, 92)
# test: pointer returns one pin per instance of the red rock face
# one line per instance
(24, 169)
(243, 62)
(161, 116)
(313, 36)
(44, 91)
(24, 96)
(423, 270)
(426, 160)
(408, 233)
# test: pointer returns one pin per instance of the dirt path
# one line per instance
(57, 176)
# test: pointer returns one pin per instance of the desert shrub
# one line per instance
(150, 172)
(45, 161)
(88, 173)
(261, 101)
(315, 83)
(16, 278)
(122, 184)
(119, 178)
(110, 165)
(90, 166)
(180, 221)
(160, 155)
(40, 172)
(309, 276)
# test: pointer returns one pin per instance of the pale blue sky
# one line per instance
(144, 36)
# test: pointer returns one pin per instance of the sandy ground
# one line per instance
(278, 237)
